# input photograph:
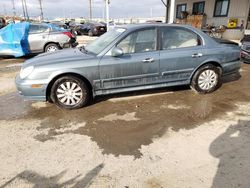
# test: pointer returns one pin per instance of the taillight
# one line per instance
(68, 34)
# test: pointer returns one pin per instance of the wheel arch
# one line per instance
(215, 63)
(52, 81)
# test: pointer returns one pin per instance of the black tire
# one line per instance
(51, 45)
(83, 101)
(195, 80)
(90, 33)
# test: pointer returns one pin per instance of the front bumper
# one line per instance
(25, 88)
(245, 56)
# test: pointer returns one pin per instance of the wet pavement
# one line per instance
(122, 124)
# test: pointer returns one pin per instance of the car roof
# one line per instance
(145, 25)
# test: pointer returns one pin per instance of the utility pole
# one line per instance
(41, 8)
(26, 10)
(24, 14)
(90, 9)
(14, 10)
(167, 5)
(107, 2)
(171, 15)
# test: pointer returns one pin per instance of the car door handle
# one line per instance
(197, 55)
(148, 60)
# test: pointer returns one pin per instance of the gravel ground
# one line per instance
(161, 138)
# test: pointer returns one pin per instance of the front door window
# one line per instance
(140, 41)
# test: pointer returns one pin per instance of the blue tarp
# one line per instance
(14, 39)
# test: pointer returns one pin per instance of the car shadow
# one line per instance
(40, 181)
(231, 78)
(232, 148)
(16, 58)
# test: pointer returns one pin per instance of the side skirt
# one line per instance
(139, 88)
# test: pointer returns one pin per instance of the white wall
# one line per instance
(238, 9)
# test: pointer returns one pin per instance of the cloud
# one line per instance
(80, 8)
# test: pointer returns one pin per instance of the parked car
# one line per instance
(74, 27)
(112, 24)
(154, 21)
(60, 24)
(91, 29)
(129, 58)
(49, 38)
(245, 49)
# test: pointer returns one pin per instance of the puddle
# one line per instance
(12, 106)
(122, 127)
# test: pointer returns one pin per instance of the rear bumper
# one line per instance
(99, 32)
(71, 44)
(245, 57)
(28, 92)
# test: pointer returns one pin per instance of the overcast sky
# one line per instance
(79, 8)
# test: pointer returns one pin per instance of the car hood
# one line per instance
(67, 55)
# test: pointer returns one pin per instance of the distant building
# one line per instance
(232, 13)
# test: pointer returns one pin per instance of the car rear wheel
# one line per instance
(207, 79)
(70, 92)
(51, 48)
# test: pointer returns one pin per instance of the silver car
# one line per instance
(49, 38)
(129, 58)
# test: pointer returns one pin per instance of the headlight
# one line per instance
(26, 72)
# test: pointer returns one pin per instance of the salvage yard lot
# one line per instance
(162, 138)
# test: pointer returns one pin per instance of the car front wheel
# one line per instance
(207, 79)
(70, 92)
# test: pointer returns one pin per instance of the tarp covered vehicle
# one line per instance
(33, 38)
(14, 40)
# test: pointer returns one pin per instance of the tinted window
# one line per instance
(38, 28)
(179, 9)
(173, 38)
(140, 41)
(198, 8)
(221, 8)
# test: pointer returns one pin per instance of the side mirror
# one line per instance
(116, 52)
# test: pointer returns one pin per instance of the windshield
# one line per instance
(98, 45)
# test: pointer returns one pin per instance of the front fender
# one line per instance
(67, 71)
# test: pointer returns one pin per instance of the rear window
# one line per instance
(56, 28)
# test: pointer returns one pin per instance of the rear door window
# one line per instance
(38, 29)
(174, 38)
